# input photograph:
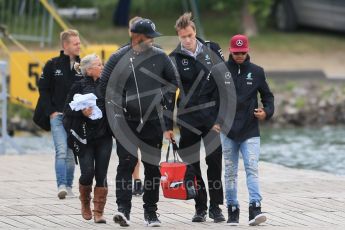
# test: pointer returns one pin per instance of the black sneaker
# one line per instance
(216, 214)
(256, 217)
(233, 216)
(137, 188)
(151, 219)
(122, 217)
(200, 216)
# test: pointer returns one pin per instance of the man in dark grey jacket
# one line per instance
(138, 83)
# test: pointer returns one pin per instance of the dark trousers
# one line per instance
(95, 161)
(190, 153)
(149, 141)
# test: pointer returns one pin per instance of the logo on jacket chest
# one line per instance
(249, 79)
(58, 72)
(208, 59)
(227, 77)
(185, 63)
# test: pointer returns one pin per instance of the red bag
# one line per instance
(178, 179)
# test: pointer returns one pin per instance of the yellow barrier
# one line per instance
(25, 70)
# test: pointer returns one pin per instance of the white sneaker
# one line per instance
(259, 219)
(62, 192)
(151, 219)
(70, 193)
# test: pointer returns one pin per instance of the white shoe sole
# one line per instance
(232, 224)
(120, 219)
(152, 225)
(70, 195)
(259, 219)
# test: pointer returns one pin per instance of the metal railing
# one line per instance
(27, 20)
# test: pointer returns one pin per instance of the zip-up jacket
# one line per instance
(198, 101)
(94, 128)
(55, 82)
(249, 80)
(145, 84)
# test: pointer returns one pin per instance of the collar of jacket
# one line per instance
(89, 79)
(198, 50)
(137, 53)
(245, 64)
(66, 57)
(178, 49)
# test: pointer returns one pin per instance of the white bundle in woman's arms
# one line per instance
(85, 101)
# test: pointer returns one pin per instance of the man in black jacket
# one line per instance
(244, 136)
(136, 83)
(54, 84)
(197, 113)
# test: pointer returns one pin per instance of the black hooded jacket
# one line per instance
(249, 80)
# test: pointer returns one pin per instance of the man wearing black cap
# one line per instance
(145, 85)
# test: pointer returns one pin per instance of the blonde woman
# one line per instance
(95, 155)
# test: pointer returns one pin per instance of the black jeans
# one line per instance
(95, 161)
(190, 153)
(149, 141)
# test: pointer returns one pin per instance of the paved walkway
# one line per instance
(293, 199)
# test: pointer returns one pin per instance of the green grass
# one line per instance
(328, 92)
(289, 86)
(267, 41)
(16, 109)
(218, 26)
(300, 42)
(300, 102)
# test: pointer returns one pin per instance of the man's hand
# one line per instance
(169, 135)
(53, 115)
(87, 112)
(260, 114)
(216, 127)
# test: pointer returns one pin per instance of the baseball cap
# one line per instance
(145, 26)
(239, 43)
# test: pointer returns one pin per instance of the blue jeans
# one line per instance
(64, 158)
(250, 150)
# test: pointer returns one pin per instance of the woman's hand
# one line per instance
(87, 112)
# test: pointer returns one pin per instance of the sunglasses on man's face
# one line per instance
(239, 53)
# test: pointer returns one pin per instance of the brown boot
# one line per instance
(99, 200)
(85, 199)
